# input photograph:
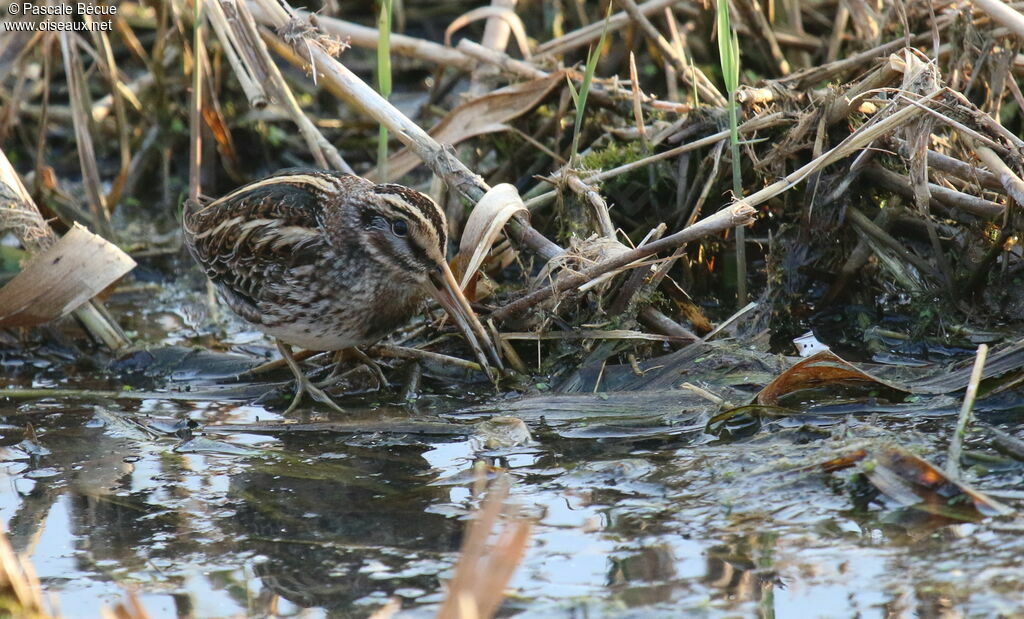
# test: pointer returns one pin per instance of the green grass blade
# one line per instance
(383, 82)
(580, 98)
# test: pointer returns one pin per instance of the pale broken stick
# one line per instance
(739, 214)
(364, 36)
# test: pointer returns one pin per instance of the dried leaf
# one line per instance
(515, 25)
(913, 481)
(486, 114)
(62, 278)
(824, 368)
(484, 226)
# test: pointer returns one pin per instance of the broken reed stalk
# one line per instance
(1008, 179)
(736, 215)
(956, 444)
(79, 95)
(195, 149)
(939, 195)
(249, 77)
(690, 75)
(484, 569)
(364, 36)
(244, 26)
(19, 214)
(21, 595)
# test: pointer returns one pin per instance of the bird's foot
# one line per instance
(382, 381)
(303, 384)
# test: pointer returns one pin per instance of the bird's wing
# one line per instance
(253, 234)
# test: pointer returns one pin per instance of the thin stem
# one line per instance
(956, 445)
(383, 82)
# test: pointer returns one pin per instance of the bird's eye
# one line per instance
(399, 227)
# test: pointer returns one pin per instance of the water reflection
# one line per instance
(329, 537)
(109, 494)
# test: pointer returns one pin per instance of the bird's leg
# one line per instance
(302, 384)
(363, 358)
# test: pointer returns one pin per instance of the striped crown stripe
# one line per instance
(417, 206)
(317, 182)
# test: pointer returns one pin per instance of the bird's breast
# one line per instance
(336, 313)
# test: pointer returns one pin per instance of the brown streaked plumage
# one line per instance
(327, 261)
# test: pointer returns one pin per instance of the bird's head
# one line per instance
(406, 234)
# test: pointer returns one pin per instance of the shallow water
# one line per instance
(638, 512)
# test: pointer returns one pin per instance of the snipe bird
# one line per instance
(327, 261)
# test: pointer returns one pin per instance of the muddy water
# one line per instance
(638, 511)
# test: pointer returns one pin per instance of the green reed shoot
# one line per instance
(383, 82)
(579, 98)
(729, 54)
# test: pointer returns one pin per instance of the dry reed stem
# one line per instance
(1009, 179)
(902, 185)
(837, 68)
(739, 214)
(195, 151)
(21, 595)
(660, 323)
(404, 352)
(969, 173)
(78, 93)
(857, 140)
(693, 77)
(591, 33)
(592, 334)
(1002, 13)
(248, 72)
(506, 63)
(750, 126)
(325, 154)
(109, 68)
(364, 36)
(484, 569)
(495, 12)
(752, 11)
(599, 93)
(496, 37)
(869, 228)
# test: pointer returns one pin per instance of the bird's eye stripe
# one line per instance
(417, 206)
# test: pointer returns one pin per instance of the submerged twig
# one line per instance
(956, 443)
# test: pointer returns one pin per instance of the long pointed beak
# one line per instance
(447, 292)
